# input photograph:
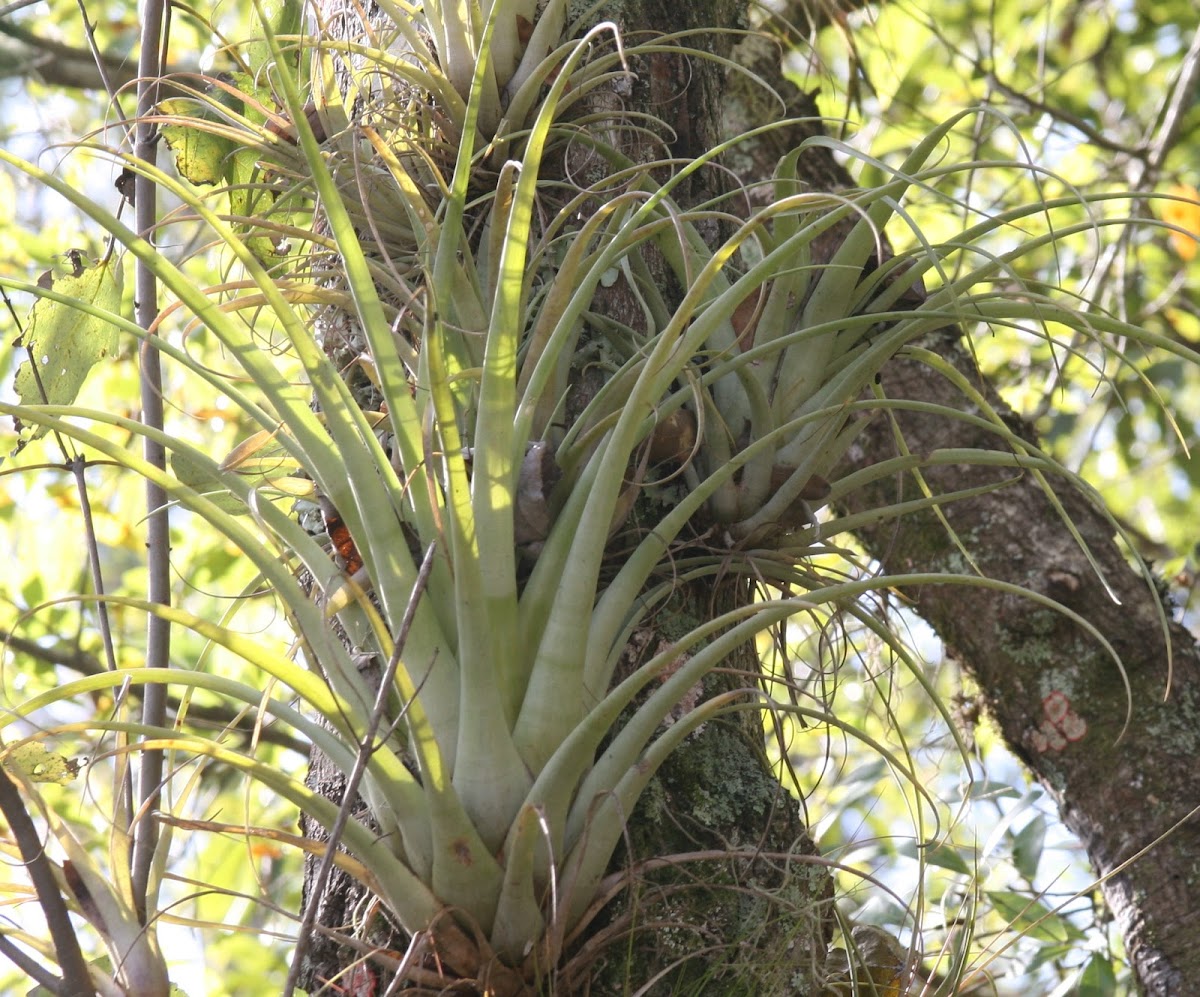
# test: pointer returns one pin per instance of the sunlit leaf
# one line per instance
(39, 764)
(200, 156)
(63, 342)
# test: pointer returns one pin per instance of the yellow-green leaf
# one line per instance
(199, 154)
(39, 764)
(63, 341)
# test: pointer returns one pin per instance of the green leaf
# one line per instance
(39, 764)
(1028, 845)
(283, 18)
(33, 591)
(200, 156)
(195, 474)
(208, 152)
(946, 857)
(64, 342)
(1033, 918)
(989, 789)
(1097, 978)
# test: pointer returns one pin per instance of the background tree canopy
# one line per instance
(1047, 153)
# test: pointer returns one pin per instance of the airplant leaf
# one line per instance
(519, 914)
(106, 897)
(366, 495)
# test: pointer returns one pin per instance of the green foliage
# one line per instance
(1088, 101)
(1080, 101)
(463, 270)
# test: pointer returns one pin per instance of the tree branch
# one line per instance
(76, 979)
(26, 54)
(1056, 694)
(1121, 789)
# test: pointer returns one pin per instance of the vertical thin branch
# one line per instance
(79, 469)
(158, 634)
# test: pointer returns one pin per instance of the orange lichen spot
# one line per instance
(1060, 725)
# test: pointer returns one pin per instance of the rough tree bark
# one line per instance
(1056, 696)
(1130, 793)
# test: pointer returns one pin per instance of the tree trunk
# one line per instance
(722, 888)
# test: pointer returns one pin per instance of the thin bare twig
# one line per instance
(102, 68)
(12, 8)
(76, 464)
